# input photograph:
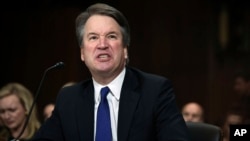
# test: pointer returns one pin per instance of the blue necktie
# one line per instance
(103, 124)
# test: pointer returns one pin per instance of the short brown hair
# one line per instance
(106, 10)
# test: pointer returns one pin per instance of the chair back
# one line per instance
(199, 131)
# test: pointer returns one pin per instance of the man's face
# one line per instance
(48, 111)
(103, 50)
(192, 113)
(240, 86)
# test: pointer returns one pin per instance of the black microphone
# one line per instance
(56, 66)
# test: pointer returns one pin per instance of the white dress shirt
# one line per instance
(113, 100)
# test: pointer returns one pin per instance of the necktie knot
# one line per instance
(104, 92)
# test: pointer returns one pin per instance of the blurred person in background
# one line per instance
(193, 112)
(48, 109)
(242, 83)
(233, 116)
(15, 103)
(70, 83)
(242, 89)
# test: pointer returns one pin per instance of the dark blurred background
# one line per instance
(198, 44)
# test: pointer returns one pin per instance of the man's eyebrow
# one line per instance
(93, 33)
(112, 32)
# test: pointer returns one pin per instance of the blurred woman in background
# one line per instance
(15, 103)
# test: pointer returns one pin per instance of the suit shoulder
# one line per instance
(147, 76)
(76, 87)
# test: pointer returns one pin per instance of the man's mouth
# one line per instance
(103, 56)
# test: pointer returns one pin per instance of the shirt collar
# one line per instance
(115, 86)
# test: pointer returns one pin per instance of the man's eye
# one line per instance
(112, 37)
(93, 38)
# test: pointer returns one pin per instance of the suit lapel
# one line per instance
(85, 113)
(128, 103)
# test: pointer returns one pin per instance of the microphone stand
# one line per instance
(57, 65)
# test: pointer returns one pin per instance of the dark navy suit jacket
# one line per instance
(147, 112)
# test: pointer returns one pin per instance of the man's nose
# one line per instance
(103, 43)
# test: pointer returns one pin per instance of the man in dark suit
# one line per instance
(141, 106)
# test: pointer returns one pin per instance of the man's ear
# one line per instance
(126, 53)
(82, 53)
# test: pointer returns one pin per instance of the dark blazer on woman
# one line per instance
(147, 112)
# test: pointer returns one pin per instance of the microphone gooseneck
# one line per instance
(56, 66)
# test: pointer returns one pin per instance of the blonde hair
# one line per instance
(26, 99)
